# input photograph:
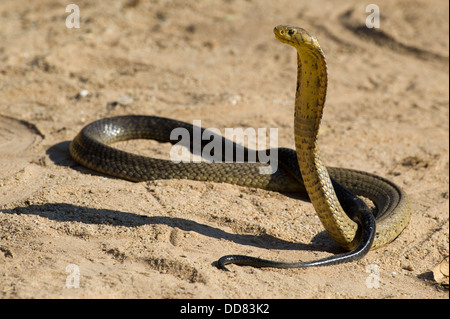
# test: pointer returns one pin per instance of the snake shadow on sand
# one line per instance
(63, 212)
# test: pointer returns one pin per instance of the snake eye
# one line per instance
(291, 32)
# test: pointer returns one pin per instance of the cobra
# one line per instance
(333, 191)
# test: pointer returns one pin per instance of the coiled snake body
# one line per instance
(338, 209)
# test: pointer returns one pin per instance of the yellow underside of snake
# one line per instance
(90, 148)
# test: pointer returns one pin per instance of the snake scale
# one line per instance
(333, 191)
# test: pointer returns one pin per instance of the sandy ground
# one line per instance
(218, 62)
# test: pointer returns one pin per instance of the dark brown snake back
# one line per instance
(91, 149)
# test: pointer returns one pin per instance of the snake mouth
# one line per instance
(284, 33)
(296, 37)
